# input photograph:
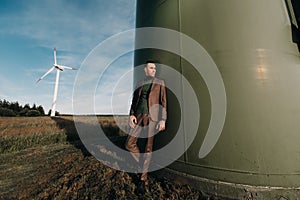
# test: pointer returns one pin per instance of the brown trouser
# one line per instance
(143, 120)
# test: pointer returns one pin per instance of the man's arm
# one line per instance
(163, 100)
(161, 125)
(135, 99)
(132, 121)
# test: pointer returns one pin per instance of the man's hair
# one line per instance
(151, 61)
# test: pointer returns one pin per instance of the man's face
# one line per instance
(150, 69)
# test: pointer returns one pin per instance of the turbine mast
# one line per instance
(55, 94)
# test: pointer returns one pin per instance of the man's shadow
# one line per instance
(72, 136)
(68, 124)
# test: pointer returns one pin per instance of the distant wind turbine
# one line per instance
(59, 68)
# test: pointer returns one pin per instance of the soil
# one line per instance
(62, 171)
(50, 162)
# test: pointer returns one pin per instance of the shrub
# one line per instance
(23, 112)
(33, 113)
(5, 112)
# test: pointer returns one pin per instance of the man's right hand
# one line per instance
(132, 121)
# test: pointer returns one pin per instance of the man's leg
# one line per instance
(148, 149)
(131, 143)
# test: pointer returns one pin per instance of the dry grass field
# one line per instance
(17, 133)
(43, 158)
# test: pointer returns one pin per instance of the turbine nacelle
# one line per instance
(58, 67)
(61, 67)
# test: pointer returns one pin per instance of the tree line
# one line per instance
(14, 109)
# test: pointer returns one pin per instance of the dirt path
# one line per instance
(61, 171)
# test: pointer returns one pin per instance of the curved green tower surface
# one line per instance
(251, 42)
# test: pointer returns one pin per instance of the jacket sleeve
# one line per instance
(134, 101)
(163, 101)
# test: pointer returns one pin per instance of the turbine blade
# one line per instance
(66, 67)
(38, 80)
(54, 56)
(49, 71)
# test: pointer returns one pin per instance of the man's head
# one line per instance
(150, 68)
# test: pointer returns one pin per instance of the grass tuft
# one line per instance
(12, 143)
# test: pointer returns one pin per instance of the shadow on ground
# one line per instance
(72, 136)
(68, 124)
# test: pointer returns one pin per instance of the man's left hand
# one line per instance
(161, 125)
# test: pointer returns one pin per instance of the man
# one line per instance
(148, 111)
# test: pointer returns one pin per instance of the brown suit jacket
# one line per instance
(157, 100)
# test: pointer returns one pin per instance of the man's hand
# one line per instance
(161, 125)
(132, 121)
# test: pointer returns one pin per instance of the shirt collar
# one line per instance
(148, 79)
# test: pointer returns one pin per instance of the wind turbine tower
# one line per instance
(58, 69)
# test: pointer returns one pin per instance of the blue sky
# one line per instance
(30, 29)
